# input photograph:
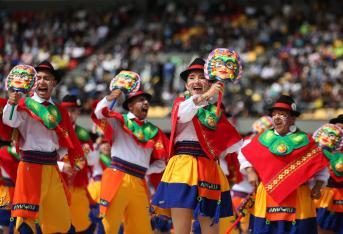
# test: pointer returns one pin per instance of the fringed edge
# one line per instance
(161, 223)
(199, 209)
(216, 214)
(38, 229)
(12, 225)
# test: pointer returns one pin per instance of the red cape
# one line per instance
(281, 175)
(213, 142)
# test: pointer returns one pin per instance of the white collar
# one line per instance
(290, 131)
(130, 115)
(41, 100)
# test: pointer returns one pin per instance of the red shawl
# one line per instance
(281, 175)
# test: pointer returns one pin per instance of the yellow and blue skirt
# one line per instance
(304, 214)
(179, 189)
(6, 195)
(330, 208)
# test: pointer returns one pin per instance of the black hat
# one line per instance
(46, 66)
(197, 64)
(285, 102)
(133, 95)
(338, 119)
(71, 101)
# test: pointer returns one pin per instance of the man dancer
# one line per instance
(46, 133)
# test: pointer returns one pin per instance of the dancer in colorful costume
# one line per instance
(8, 171)
(193, 181)
(330, 205)
(40, 200)
(9, 160)
(138, 148)
(77, 180)
(285, 160)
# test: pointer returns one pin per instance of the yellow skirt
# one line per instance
(179, 188)
(304, 214)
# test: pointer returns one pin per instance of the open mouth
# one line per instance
(278, 124)
(197, 89)
(145, 109)
(42, 89)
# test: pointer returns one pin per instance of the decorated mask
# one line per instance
(262, 124)
(329, 137)
(223, 65)
(127, 81)
(21, 78)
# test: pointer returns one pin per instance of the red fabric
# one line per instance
(158, 142)
(155, 179)
(65, 132)
(213, 142)
(28, 189)
(269, 166)
(208, 179)
(235, 176)
(104, 126)
(9, 163)
(25, 183)
(5, 131)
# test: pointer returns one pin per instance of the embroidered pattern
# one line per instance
(290, 168)
(281, 209)
(30, 207)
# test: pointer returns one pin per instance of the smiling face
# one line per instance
(139, 106)
(282, 120)
(197, 83)
(45, 84)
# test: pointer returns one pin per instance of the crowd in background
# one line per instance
(293, 47)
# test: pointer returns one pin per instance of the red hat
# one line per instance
(46, 66)
(133, 95)
(197, 64)
(285, 102)
(71, 101)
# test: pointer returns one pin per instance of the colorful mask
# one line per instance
(127, 81)
(262, 124)
(223, 65)
(21, 78)
(329, 137)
